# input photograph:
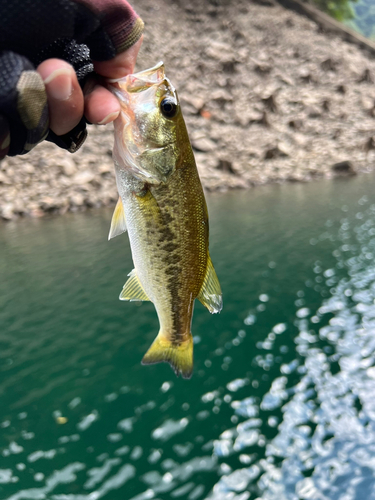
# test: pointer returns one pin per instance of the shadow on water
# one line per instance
(280, 405)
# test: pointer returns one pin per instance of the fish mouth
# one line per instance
(156, 74)
(152, 75)
(137, 82)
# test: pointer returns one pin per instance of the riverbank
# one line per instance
(266, 95)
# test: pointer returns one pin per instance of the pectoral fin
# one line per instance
(118, 224)
(210, 294)
(133, 290)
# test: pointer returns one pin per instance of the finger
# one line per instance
(64, 94)
(101, 106)
(121, 65)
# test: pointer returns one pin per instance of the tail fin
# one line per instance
(179, 356)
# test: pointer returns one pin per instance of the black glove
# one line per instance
(23, 102)
(31, 32)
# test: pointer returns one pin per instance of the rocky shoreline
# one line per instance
(266, 95)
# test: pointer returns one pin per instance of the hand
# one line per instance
(66, 101)
(41, 77)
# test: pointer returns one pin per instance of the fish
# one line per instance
(162, 207)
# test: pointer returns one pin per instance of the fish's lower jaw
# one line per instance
(179, 356)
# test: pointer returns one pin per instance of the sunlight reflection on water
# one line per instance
(325, 445)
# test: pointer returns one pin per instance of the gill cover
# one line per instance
(145, 136)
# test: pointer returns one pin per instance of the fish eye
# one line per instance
(168, 107)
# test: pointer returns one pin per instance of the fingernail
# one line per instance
(109, 118)
(59, 84)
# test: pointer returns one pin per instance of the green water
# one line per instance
(281, 404)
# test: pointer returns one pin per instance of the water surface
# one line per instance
(281, 404)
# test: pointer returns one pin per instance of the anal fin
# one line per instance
(118, 223)
(133, 290)
(210, 294)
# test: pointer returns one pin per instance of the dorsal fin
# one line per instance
(210, 294)
(133, 290)
(118, 224)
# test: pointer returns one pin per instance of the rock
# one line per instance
(65, 181)
(366, 77)
(329, 64)
(276, 152)
(297, 124)
(369, 144)
(225, 81)
(84, 177)
(217, 50)
(105, 169)
(221, 96)
(90, 203)
(197, 103)
(270, 103)
(343, 168)
(67, 166)
(284, 148)
(260, 118)
(76, 200)
(212, 11)
(4, 179)
(286, 79)
(226, 166)
(326, 105)
(235, 119)
(313, 112)
(229, 65)
(43, 163)
(49, 204)
(341, 89)
(262, 68)
(19, 207)
(36, 212)
(7, 211)
(306, 76)
(28, 168)
(203, 144)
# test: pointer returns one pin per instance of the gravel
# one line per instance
(266, 95)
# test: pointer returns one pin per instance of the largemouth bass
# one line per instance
(163, 208)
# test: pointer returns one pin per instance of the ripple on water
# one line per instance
(303, 428)
(327, 431)
(169, 428)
